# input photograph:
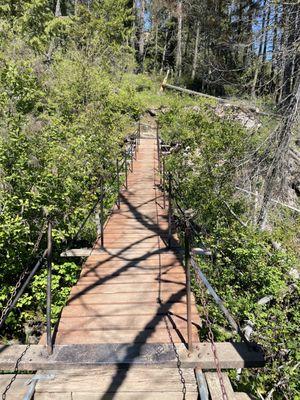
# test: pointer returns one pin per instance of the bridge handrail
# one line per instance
(190, 231)
(128, 155)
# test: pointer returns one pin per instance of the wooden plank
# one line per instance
(121, 254)
(122, 322)
(115, 396)
(124, 298)
(135, 396)
(121, 336)
(128, 249)
(127, 288)
(136, 244)
(113, 272)
(155, 260)
(139, 278)
(214, 386)
(18, 388)
(241, 396)
(59, 396)
(122, 309)
(104, 380)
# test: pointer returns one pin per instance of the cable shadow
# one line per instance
(156, 226)
(137, 345)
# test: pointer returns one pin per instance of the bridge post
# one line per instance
(164, 181)
(118, 183)
(131, 154)
(126, 168)
(187, 239)
(49, 286)
(102, 212)
(158, 151)
(170, 211)
(139, 131)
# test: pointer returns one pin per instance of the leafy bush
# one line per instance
(63, 120)
(245, 267)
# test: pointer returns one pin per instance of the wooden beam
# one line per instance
(231, 355)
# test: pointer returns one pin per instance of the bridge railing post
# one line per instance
(170, 210)
(126, 168)
(102, 211)
(131, 153)
(187, 256)
(164, 181)
(49, 287)
(139, 131)
(118, 183)
(158, 150)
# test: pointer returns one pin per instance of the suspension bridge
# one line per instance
(130, 329)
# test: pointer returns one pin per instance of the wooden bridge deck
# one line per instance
(131, 292)
(129, 301)
(134, 290)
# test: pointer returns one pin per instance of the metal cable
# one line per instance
(211, 339)
(178, 362)
(16, 371)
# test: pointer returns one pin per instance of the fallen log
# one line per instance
(219, 99)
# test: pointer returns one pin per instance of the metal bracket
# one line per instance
(32, 384)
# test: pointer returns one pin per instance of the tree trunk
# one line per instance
(196, 51)
(163, 59)
(58, 9)
(134, 28)
(266, 34)
(259, 56)
(141, 22)
(179, 40)
(155, 23)
(278, 165)
(295, 55)
(274, 50)
(75, 7)
(283, 55)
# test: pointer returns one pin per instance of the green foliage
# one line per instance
(63, 118)
(245, 268)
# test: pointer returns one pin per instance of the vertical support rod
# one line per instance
(102, 212)
(187, 239)
(49, 286)
(139, 135)
(158, 150)
(126, 169)
(118, 183)
(164, 182)
(170, 212)
(131, 151)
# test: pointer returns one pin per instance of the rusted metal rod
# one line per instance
(187, 240)
(202, 385)
(158, 148)
(49, 287)
(118, 183)
(102, 211)
(131, 154)
(139, 131)
(217, 299)
(126, 169)
(170, 211)
(23, 287)
(164, 182)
